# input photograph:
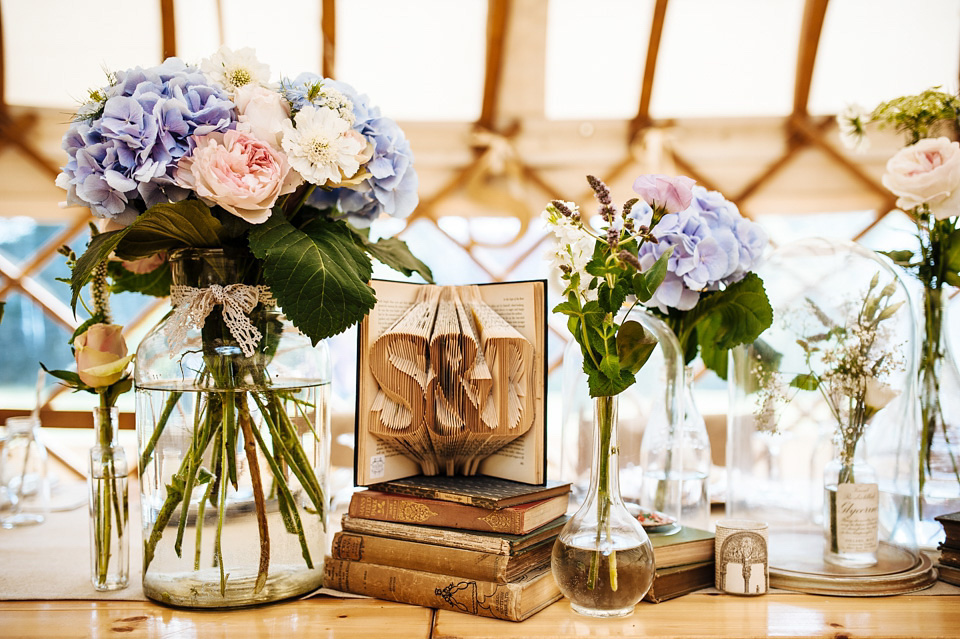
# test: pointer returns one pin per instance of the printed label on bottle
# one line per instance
(857, 517)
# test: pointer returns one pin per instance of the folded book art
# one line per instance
(451, 381)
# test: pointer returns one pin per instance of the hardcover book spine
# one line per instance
(500, 601)
(408, 554)
(438, 536)
(386, 507)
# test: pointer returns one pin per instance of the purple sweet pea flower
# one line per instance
(667, 194)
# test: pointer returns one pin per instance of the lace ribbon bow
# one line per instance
(192, 305)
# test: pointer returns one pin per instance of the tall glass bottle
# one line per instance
(109, 523)
(602, 559)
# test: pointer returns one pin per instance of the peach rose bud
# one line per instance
(101, 354)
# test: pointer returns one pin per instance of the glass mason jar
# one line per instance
(602, 559)
(233, 443)
(851, 521)
(109, 522)
(23, 474)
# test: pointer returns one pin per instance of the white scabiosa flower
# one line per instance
(234, 69)
(852, 122)
(323, 147)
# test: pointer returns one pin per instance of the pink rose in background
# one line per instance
(238, 172)
(261, 112)
(667, 193)
(145, 265)
(101, 354)
(927, 172)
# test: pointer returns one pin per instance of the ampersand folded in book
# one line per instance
(454, 381)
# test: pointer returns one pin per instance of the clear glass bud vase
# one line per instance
(23, 474)
(851, 522)
(109, 523)
(602, 559)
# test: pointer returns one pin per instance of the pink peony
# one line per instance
(261, 112)
(927, 172)
(145, 265)
(237, 172)
(666, 193)
(101, 354)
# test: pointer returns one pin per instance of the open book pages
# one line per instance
(451, 381)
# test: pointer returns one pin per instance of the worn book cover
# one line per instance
(451, 380)
(949, 556)
(680, 580)
(689, 545)
(444, 560)
(513, 601)
(491, 542)
(476, 490)
(951, 526)
(516, 520)
(949, 574)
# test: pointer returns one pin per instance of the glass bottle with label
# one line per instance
(851, 522)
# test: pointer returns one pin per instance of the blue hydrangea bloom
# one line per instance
(122, 162)
(393, 183)
(713, 246)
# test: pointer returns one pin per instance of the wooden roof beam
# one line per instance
(498, 17)
(168, 26)
(642, 119)
(813, 15)
(328, 30)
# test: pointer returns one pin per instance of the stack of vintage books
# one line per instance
(479, 545)
(684, 562)
(949, 565)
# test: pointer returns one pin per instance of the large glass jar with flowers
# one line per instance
(246, 201)
(925, 177)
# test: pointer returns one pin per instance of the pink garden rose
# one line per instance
(261, 112)
(145, 265)
(101, 354)
(667, 193)
(238, 172)
(927, 172)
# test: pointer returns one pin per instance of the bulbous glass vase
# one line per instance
(602, 559)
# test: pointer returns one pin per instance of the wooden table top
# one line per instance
(698, 615)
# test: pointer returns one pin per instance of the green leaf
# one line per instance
(600, 385)
(156, 283)
(72, 378)
(188, 223)
(655, 274)
(395, 253)
(735, 315)
(953, 252)
(611, 299)
(634, 345)
(318, 274)
(805, 381)
(162, 227)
